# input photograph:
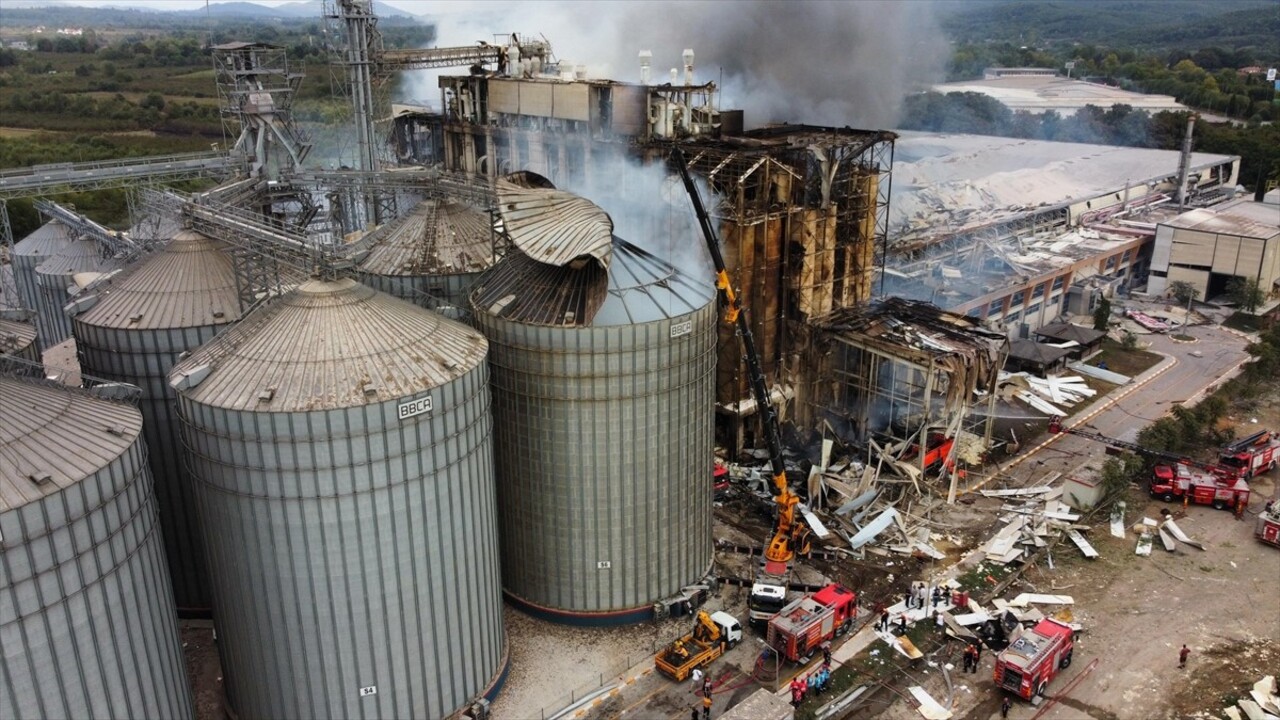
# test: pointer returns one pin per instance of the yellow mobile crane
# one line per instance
(790, 536)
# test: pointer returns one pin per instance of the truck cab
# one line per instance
(765, 600)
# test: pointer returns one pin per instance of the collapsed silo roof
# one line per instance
(189, 283)
(326, 345)
(638, 287)
(436, 237)
(81, 255)
(52, 437)
(553, 226)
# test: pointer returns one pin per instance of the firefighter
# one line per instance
(1182, 656)
(1005, 705)
(706, 708)
(1240, 503)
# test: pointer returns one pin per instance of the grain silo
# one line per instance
(54, 278)
(18, 338)
(603, 385)
(132, 328)
(339, 441)
(432, 255)
(87, 624)
(43, 243)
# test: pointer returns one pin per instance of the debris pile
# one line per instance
(1048, 395)
(1263, 702)
(1030, 517)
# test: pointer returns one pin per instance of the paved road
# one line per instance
(1181, 376)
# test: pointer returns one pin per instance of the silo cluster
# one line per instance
(40, 245)
(339, 441)
(87, 624)
(602, 360)
(132, 329)
(431, 255)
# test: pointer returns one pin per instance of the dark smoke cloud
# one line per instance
(816, 61)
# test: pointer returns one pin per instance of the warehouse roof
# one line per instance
(1042, 93)
(944, 183)
(1243, 217)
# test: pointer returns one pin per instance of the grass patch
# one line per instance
(1125, 362)
(981, 576)
(1244, 322)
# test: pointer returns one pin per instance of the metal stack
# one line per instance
(54, 278)
(603, 384)
(339, 440)
(432, 255)
(132, 328)
(87, 623)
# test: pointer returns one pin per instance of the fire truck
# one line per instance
(1034, 657)
(1268, 527)
(1254, 455)
(1178, 478)
(1181, 481)
(805, 624)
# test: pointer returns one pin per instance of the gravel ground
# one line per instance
(551, 663)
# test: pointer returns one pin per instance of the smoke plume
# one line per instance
(820, 62)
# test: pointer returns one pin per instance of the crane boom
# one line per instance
(1056, 426)
(789, 535)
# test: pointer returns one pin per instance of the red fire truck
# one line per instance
(1034, 657)
(1253, 455)
(1201, 487)
(1268, 527)
(805, 624)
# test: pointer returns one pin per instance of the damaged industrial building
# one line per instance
(498, 358)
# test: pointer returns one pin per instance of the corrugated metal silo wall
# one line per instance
(52, 323)
(351, 550)
(604, 454)
(87, 624)
(143, 357)
(452, 289)
(24, 278)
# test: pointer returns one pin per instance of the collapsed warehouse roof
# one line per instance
(928, 336)
(949, 183)
(901, 377)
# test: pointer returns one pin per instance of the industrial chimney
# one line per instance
(646, 60)
(688, 66)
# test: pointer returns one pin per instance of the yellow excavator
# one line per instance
(712, 635)
(769, 591)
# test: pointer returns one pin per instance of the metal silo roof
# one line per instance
(44, 241)
(52, 437)
(189, 283)
(15, 336)
(325, 345)
(638, 287)
(82, 255)
(554, 226)
(438, 237)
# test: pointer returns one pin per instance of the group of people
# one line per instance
(707, 687)
(972, 654)
(919, 595)
(818, 681)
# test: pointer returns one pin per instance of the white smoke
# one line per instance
(822, 62)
